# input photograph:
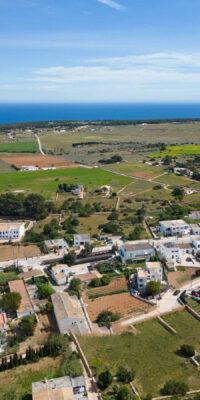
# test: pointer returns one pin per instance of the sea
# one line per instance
(10, 113)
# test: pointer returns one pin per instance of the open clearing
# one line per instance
(18, 147)
(9, 252)
(39, 161)
(114, 285)
(138, 170)
(151, 352)
(46, 182)
(123, 304)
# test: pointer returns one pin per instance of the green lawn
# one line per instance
(46, 183)
(176, 151)
(18, 147)
(151, 352)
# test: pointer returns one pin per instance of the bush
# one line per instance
(125, 374)
(187, 350)
(45, 290)
(105, 379)
(10, 302)
(124, 393)
(27, 325)
(106, 317)
(173, 387)
(153, 288)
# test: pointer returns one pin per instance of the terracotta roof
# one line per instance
(19, 287)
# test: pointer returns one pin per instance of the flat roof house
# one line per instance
(68, 314)
(153, 272)
(81, 240)
(26, 307)
(59, 274)
(55, 245)
(174, 227)
(11, 230)
(137, 250)
(64, 388)
(194, 215)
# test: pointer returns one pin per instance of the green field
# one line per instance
(19, 147)
(146, 171)
(175, 180)
(177, 151)
(151, 352)
(46, 182)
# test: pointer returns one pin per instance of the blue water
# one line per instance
(52, 112)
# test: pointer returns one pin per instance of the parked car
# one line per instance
(188, 259)
(176, 292)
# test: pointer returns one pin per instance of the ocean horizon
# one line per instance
(11, 113)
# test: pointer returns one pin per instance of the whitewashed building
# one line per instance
(81, 240)
(194, 215)
(137, 250)
(60, 273)
(152, 272)
(12, 230)
(174, 227)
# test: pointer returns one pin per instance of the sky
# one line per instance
(99, 51)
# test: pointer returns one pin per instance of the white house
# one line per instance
(196, 243)
(174, 227)
(59, 274)
(173, 250)
(12, 230)
(55, 245)
(79, 191)
(29, 168)
(195, 229)
(152, 272)
(194, 215)
(137, 250)
(81, 240)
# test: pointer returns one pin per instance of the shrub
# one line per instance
(173, 387)
(105, 379)
(106, 317)
(187, 350)
(125, 374)
(153, 288)
(124, 393)
(10, 302)
(45, 290)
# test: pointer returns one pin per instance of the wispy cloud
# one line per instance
(136, 70)
(112, 4)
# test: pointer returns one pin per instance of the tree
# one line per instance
(152, 288)
(45, 290)
(10, 302)
(124, 393)
(167, 160)
(178, 193)
(114, 216)
(35, 206)
(106, 317)
(105, 280)
(75, 284)
(197, 272)
(105, 379)
(96, 282)
(27, 325)
(125, 374)
(187, 350)
(69, 258)
(173, 387)
(135, 235)
(87, 251)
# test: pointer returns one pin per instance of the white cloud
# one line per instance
(135, 70)
(112, 4)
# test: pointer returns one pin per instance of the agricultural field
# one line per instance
(123, 304)
(178, 151)
(138, 170)
(116, 284)
(39, 161)
(179, 278)
(4, 167)
(175, 180)
(13, 252)
(46, 182)
(151, 352)
(90, 224)
(19, 147)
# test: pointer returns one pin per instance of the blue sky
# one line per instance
(99, 51)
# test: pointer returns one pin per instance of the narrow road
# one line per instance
(40, 146)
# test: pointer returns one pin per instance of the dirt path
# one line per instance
(40, 146)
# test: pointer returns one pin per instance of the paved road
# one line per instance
(40, 146)
(168, 303)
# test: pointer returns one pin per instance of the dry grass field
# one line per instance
(40, 161)
(9, 252)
